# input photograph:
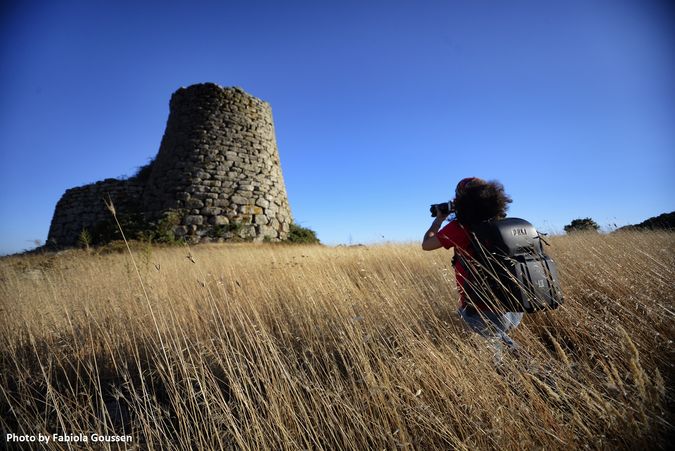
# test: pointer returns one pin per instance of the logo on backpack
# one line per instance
(519, 231)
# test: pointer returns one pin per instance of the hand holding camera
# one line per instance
(442, 210)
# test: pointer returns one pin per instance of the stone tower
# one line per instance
(219, 164)
(217, 175)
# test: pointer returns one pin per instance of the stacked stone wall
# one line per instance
(84, 208)
(217, 171)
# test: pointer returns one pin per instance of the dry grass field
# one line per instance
(309, 347)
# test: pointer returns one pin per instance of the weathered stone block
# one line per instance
(250, 210)
(194, 203)
(246, 232)
(219, 220)
(239, 200)
(262, 203)
(266, 231)
(193, 220)
(211, 211)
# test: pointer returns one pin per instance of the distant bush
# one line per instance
(664, 221)
(582, 225)
(302, 235)
(163, 230)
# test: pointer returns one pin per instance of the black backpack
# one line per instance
(510, 266)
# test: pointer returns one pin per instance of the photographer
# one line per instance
(475, 201)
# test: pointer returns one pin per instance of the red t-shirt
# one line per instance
(456, 235)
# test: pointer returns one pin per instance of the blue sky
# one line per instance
(380, 107)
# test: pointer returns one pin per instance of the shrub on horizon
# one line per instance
(582, 225)
(302, 235)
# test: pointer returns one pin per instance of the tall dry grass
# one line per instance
(274, 347)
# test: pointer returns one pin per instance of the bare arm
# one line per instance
(430, 241)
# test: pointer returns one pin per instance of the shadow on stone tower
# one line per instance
(217, 175)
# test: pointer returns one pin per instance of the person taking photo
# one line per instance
(475, 201)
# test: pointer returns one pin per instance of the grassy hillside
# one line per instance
(309, 347)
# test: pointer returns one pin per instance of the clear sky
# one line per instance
(380, 107)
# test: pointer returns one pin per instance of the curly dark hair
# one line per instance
(478, 200)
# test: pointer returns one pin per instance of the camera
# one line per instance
(444, 209)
